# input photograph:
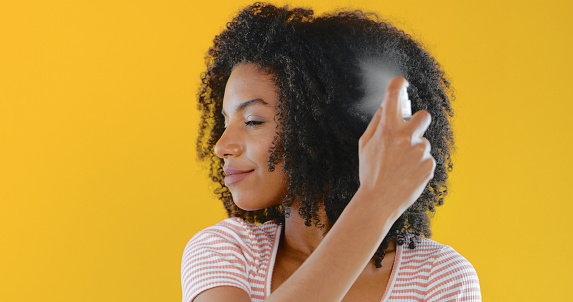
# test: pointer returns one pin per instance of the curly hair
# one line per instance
(316, 64)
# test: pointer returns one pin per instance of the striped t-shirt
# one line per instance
(240, 254)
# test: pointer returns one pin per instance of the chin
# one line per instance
(243, 204)
(256, 200)
(248, 207)
(250, 204)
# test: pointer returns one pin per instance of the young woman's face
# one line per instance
(249, 107)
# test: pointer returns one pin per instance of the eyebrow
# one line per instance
(246, 104)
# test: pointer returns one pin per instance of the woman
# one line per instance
(327, 202)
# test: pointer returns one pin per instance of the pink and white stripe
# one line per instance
(239, 254)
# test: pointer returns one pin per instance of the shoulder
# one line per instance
(226, 254)
(429, 253)
(439, 256)
(446, 273)
(235, 232)
(232, 236)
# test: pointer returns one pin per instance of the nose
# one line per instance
(228, 144)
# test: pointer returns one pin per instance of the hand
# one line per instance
(395, 160)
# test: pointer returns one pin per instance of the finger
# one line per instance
(422, 147)
(419, 123)
(395, 89)
(372, 126)
(427, 149)
(428, 165)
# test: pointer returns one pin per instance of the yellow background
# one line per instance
(100, 189)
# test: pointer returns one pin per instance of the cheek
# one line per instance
(278, 179)
(260, 150)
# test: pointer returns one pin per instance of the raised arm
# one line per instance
(395, 167)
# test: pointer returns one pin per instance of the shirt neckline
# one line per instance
(273, 259)
(391, 281)
(387, 291)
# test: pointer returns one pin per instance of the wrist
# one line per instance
(375, 205)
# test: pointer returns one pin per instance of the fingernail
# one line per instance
(403, 95)
(404, 101)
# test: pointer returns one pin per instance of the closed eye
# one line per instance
(253, 123)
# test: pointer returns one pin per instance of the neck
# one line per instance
(300, 240)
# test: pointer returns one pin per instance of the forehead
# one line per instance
(248, 82)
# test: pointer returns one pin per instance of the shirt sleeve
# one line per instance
(212, 258)
(453, 278)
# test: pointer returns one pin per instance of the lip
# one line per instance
(235, 175)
